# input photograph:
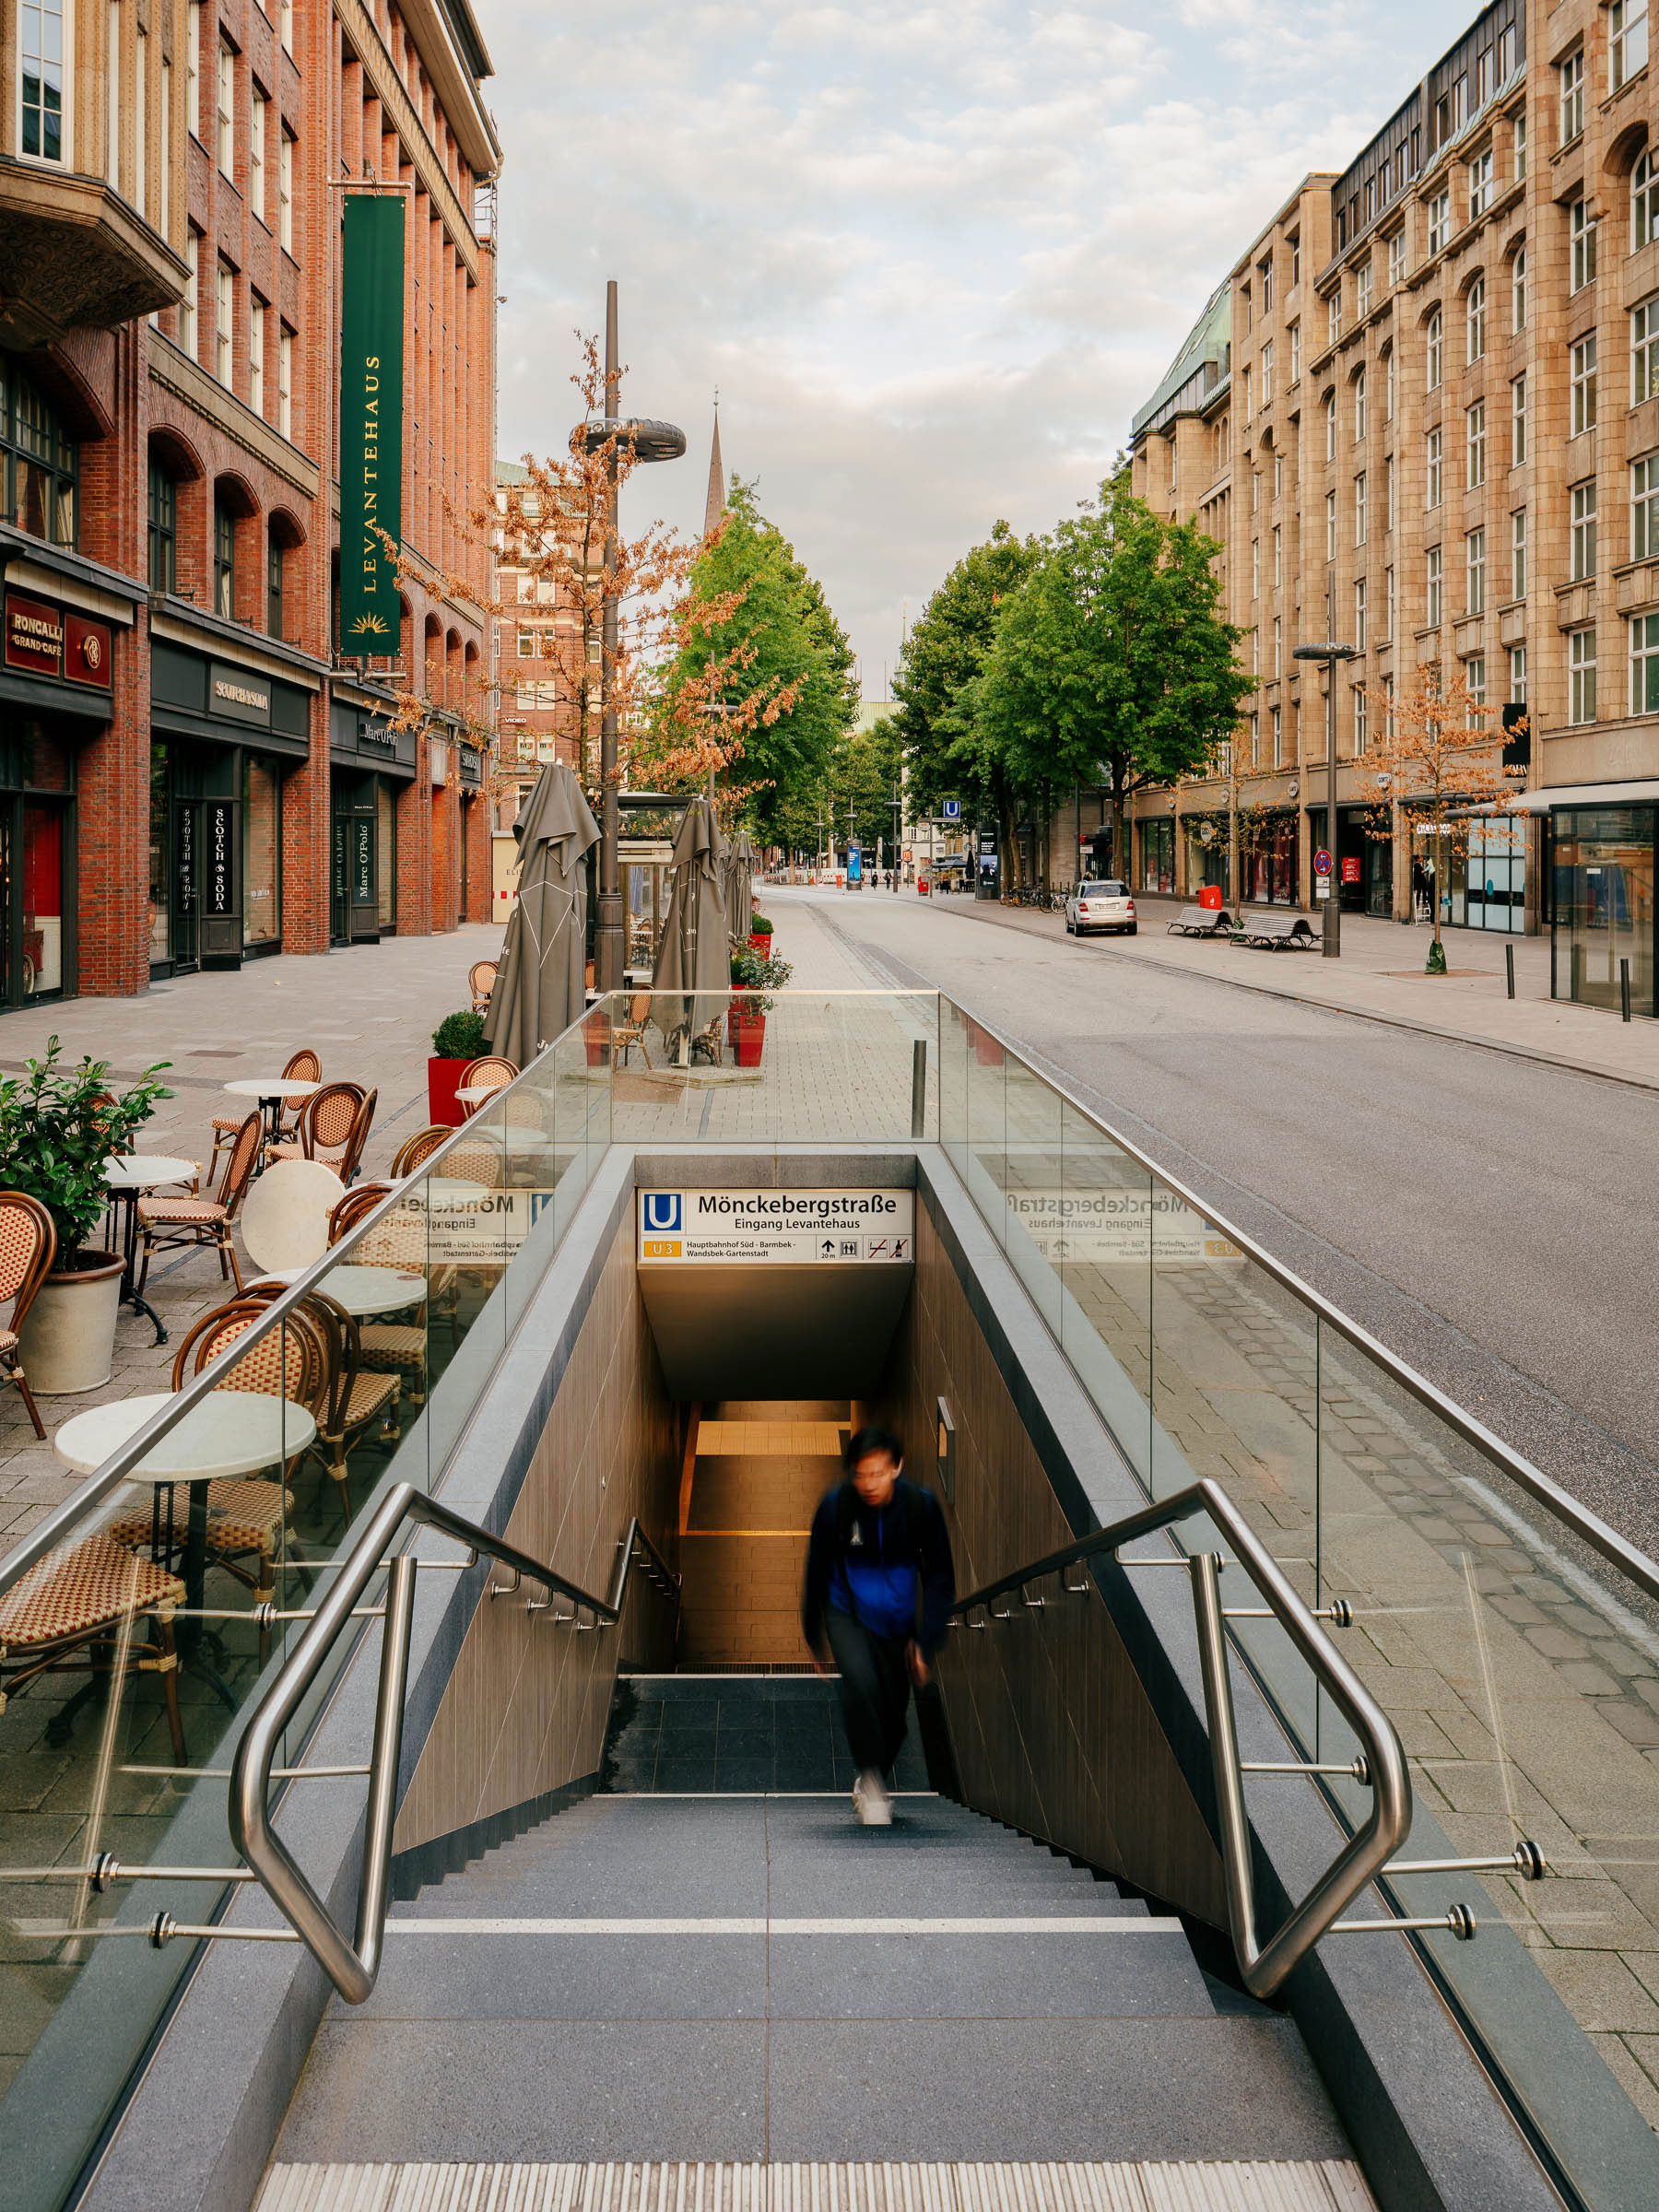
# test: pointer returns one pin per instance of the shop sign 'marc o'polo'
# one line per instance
(371, 345)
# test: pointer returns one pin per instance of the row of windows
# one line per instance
(164, 548)
(1627, 53)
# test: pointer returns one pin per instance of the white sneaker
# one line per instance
(871, 1802)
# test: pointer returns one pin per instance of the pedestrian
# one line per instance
(1419, 891)
(879, 1587)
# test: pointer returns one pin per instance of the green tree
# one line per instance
(770, 635)
(935, 685)
(1113, 663)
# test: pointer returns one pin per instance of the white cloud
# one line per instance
(933, 259)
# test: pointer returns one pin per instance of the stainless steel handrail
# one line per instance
(1263, 1966)
(353, 1966)
(1587, 1526)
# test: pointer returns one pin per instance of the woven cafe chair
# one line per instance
(630, 1029)
(416, 1150)
(245, 1513)
(28, 1247)
(492, 1069)
(396, 1347)
(358, 1399)
(76, 1601)
(166, 1222)
(481, 978)
(305, 1066)
(328, 1120)
(351, 1158)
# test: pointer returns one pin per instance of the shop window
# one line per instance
(40, 72)
(41, 461)
(385, 840)
(1157, 857)
(262, 852)
(224, 560)
(43, 899)
(274, 588)
(160, 877)
(163, 530)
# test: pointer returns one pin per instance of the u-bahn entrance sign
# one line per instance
(728, 1227)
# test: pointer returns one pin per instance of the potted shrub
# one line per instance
(761, 934)
(58, 1126)
(457, 1041)
(752, 975)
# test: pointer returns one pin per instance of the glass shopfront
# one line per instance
(1603, 866)
(1206, 854)
(1267, 861)
(54, 696)
(222, 739)
(370, 766)
(1157, 857)
(1486, 884)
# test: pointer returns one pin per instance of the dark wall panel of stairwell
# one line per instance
(524, 1711)
(1050, 1727)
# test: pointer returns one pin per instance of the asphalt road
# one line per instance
(1494, 1221)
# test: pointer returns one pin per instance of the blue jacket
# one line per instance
(874, 1565)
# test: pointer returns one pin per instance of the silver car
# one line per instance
(1092, 906)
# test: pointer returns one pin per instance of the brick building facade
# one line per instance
(1421, 416)
(190, 773)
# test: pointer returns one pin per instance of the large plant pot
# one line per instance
(595, 1039)
(67, 1341)
(443, 1105)
(761, 939)
(746, 1032)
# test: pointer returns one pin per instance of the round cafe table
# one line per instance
(232, 1432)
(272, 1093)
(127, 1176)
(363, 1291)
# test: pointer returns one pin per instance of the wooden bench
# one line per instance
(1201, 922)
(1269, 932)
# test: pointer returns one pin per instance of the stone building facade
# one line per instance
(190, 773)
(1430, 430)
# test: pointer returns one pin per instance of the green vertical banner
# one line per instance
(372, 344)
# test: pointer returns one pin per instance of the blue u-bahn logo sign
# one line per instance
(663, 1212)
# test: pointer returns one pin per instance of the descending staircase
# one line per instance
(721, 1980)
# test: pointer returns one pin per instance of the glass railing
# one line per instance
(172, 1582)
(1512, 1640)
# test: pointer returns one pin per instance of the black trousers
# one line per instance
(875, 1689)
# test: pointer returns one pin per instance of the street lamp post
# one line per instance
(649, 442)
(1331, 943)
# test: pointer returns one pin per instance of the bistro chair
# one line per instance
(28, 1247)
(415, 1151)
(396, 1347)
(166, 1222)
(245, 1516)
(630, 1029)
(481, 976)
(492, 1070)
(76, 1601)
(357, 1399)
(305, 1067)
(326, 1123)
(352, 1158)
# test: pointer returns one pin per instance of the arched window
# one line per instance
(1476, 318)
(1645, 202)
(1330, 416)
(42, 461)
(1432, 373)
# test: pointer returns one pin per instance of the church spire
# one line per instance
(716, 506)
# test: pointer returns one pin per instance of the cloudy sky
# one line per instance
(933, 259)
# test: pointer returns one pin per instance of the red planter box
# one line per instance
(986, 1049)
(443, 1105)
(760, 941)
(596, 1037)
(745, 1033)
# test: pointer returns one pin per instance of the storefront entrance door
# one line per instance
(1605, 911)
(354, 875)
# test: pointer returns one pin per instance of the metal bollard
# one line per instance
(1508, 964)
(1624, 990)
(919, 1087)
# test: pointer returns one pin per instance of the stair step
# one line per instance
(1300, 2186)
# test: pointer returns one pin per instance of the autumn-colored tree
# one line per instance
(1437, 769)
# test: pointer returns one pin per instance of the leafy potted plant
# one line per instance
(752, 973)
(58, 1126)
(761, 934)
(457, 1041)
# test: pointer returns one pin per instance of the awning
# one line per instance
(1644, 791)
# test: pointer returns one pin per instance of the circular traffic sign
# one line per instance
(1321, 861)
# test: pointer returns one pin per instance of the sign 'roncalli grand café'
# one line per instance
(197, 762)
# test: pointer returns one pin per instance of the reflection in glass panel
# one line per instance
(1034, 1180)
(1102, 1244)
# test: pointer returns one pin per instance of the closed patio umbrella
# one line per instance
(740, 888)
(694, 954)
(540, 986)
